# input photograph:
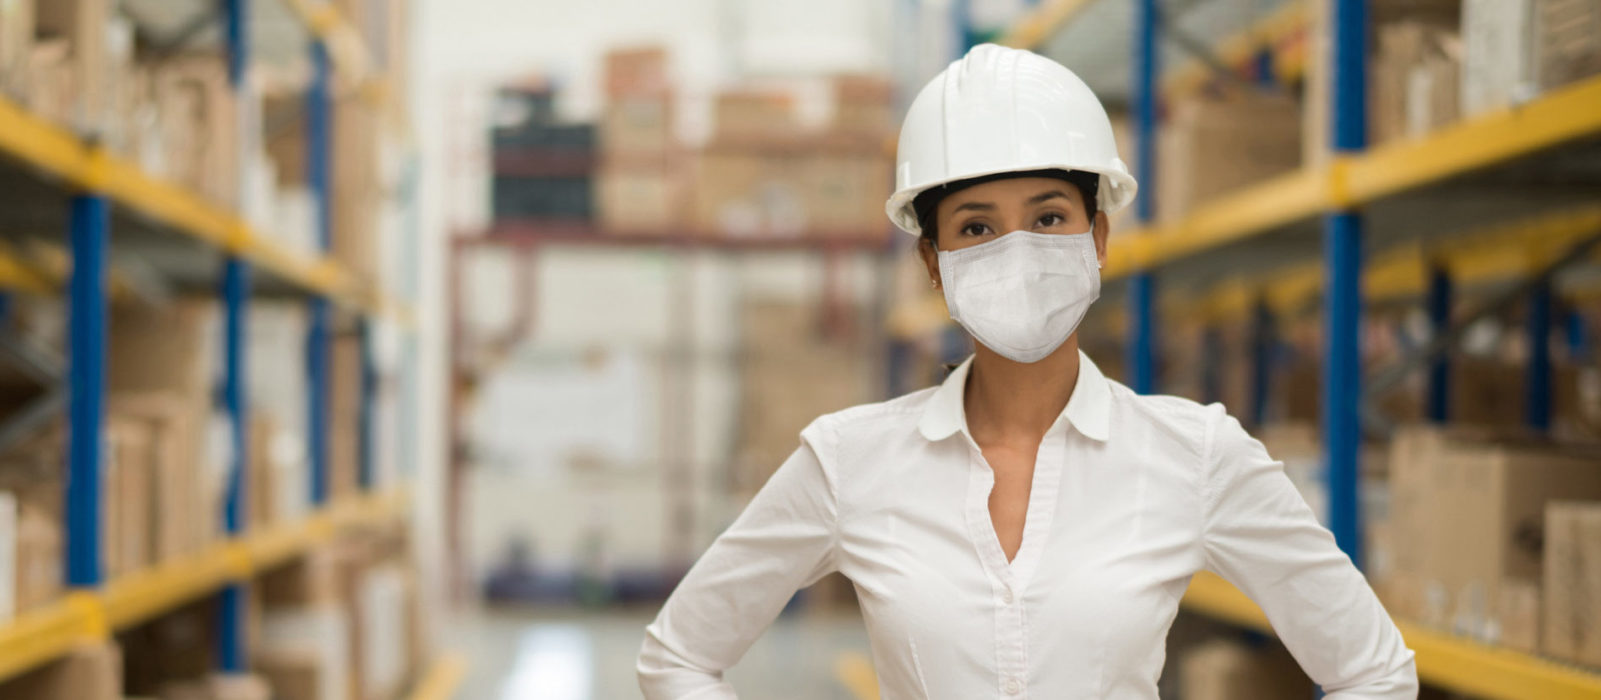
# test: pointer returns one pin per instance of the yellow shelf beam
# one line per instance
(1493, 254)
(39, 636)
(55, 151)
(1558, 117)
(854, 671)
(1443, 660)
(443, 679)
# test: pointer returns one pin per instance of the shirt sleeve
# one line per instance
(785, 539)
(1261, 535)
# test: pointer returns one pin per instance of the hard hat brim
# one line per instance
(1117, 190)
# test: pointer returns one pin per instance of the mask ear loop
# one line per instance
(1098, 264)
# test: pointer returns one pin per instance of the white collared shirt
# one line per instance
(1131, 495)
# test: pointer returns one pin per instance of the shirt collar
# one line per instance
(1086, 409)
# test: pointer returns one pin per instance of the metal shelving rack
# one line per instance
(1328, 215)
(101, 189)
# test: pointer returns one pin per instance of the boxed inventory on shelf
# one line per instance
(1472, 510)
(1211, 146)
(1572, 619)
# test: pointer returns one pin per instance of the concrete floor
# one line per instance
(570, 654)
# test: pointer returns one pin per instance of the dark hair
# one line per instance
(927, 202)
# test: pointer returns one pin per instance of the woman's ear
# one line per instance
(930, 261)
(1103, 227)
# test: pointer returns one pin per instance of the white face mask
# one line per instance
(1023, 293)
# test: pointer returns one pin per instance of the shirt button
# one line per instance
(1006, 595)
(1013, 687)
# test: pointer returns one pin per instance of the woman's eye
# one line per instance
(975, 230)
(1050, 220)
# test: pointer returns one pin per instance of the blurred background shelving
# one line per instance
(200, 495)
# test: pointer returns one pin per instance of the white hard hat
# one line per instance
(1001, 110)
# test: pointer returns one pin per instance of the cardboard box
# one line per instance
(82, 26)
(1567, 41)
(201, 130)
(639, 200)
(1211, 147)
(1227, 670)
(264, 472)
(1516, 624)
(863, 104)
(357, 192)
(1573, 581)
(745, 193)
(742, 116)
(293, 673)
(1416, 79)
(1497, 58)
(344, 429)
(309, 581)
(636, 71)
(182, 522)
(16, 44)
(1473, 510)
(846, 193)
(322, 631)
(634, 125)
(129, 478)
(40, 551)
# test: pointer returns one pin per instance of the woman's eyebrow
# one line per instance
(978, 206)
(1043, 196)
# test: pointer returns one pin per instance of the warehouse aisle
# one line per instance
(571, 654)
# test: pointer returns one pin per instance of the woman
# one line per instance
(1027, 528)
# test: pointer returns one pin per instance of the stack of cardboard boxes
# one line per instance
(1484, 543)
(640, 187)
(1212, 145)
(763, 175)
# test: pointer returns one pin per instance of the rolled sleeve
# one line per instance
(1261, 535)
(785, 539)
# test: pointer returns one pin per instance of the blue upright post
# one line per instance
(236, 304)
(1342, 298)
(1439, 303)
(317, 335)
(1262, 343)
(1142, 292)
(86, 353)
(1537, 383)
(233, 616)
(369, 394)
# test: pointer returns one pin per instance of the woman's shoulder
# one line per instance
(873, 422)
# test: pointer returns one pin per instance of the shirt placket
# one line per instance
(1007, 580)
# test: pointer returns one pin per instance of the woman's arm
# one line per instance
(1261, 536)
(784, 540)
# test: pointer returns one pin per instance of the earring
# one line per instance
(933, 284)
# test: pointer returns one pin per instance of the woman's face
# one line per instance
(982, 213)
